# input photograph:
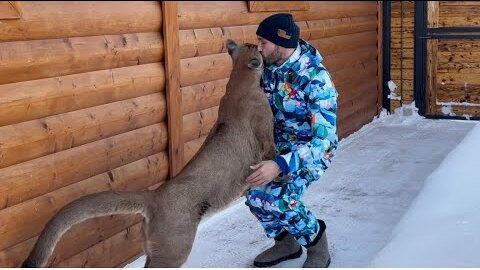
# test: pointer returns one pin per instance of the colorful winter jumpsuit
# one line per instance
(303, 99)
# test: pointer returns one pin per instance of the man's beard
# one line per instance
(274, 58)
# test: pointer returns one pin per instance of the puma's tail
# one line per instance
(90, 206)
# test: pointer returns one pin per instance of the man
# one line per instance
(303, 99)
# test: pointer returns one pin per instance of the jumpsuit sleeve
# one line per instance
(315, 155)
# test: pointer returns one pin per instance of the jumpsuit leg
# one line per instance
(279, 208)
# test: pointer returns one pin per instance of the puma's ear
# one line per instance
(231, 47)
(255, 63)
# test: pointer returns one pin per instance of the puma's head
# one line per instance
(246, 55)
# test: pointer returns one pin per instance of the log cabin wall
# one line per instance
(452, 85)
(83, 103)
(82, 109)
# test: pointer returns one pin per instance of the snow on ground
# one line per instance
(442, 226)
(377, 173)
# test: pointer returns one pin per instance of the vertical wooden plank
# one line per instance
(173, 92)
(433, 14)
(251, 6)
(432, 58)
(432, 48)
(380, 56)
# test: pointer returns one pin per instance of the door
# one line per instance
(451, 59)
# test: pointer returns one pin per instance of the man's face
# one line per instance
(270, 52)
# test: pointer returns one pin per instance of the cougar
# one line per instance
(215, 176)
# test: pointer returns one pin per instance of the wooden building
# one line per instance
(435, 57)
(99, 96)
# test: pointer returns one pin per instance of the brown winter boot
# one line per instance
(285, 248)
(318, 255)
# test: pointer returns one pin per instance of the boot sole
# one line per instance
(279, 260)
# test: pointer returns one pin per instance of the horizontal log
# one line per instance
(203, 96)
(199, 124)
(36, 177)
(194, 15)
(14, 256)
(40, 98)
(357, 121)
(31, 60)
(366, 102)
(459, 21)
(459, 3)
(343, 26)
(344, 43)
(199, 42)
(341, 60)
(458, 68)
(356, 91)
(348, 87)
(26, 220)
(458, 78)
(345, 78)
(458, 57)
(366, 94)
(50, 20)
(68, 246)
(9, 10)
(458, 46)
(204, 69)
(75, 240)
(457, 11)
(458, 93)
(37, 138)
(109, 252)
(279, 6)
(192, 147)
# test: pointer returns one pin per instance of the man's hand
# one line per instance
(264, 173)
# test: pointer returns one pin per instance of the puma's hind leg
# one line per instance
(169, 245)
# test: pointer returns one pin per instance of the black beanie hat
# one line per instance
(280, 29)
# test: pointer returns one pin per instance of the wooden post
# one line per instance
(432, 58)
(380, 56)
(173, 92)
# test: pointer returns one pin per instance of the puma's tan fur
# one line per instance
(241, 137)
